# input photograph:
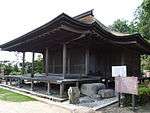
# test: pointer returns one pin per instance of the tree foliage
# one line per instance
(143, 19)
(124, 26)
(39, 66)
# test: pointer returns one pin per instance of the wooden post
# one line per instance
(6, 80)
(48, 88)
(32, 85)
(19, 82)
(68, 64)
(10, 80)
(77, 84)
(43, 53)
(119, 98)
(87, 61)
(133, 102)
(64, 59)
(46, 62)
(61, 89)
(53, 66)
(32, 71)
(23, 63)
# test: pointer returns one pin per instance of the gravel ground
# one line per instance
(96, 103)
(115, 109)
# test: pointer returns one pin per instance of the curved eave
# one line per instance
(59, 20)
(134, 39)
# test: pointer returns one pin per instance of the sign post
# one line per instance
(118, 72)
(133, 102)
(128, 85)
(124, 84)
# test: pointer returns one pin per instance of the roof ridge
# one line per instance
(84, 14)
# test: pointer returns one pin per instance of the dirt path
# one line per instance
(29, 107)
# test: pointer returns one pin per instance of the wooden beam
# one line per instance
(64, 59)
(46, 62)
(83, 35)
(87, 61)
(70, 29)
(32, 71)
(23, 63)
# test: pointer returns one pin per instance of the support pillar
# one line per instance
(46, 62)
(32, 71)
(32, 85)
(10, 81)
(64, 59)
(68, 64)
(61, 89)
(23, 63)
(48, 88)
(53, 68)
(77, 84)
(6, 80)
(87, 61)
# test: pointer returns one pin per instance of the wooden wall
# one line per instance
(76, 57)
(100, 61)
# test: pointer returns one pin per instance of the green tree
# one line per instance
(143, 19)
(8, 69)
(143, 23)
(28, 67)
(120, 26)
(124, 26)
(39, 65)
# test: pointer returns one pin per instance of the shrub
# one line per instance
(142, 98)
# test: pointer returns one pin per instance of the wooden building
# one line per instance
(81, 47)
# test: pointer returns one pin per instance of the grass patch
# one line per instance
(7, 95)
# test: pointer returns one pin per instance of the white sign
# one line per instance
(127, 85)
(119, 71)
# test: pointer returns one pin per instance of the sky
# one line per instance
(18, 17)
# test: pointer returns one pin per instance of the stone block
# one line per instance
(106, 93)
(91, 89)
